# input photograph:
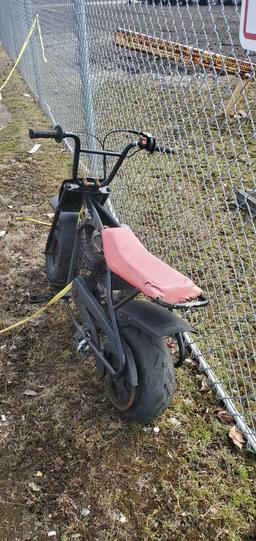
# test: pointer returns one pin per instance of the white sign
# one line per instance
(248, 25)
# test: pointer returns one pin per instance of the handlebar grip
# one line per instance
(165, 150)
(56, 134)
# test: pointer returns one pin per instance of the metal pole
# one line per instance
(38, 91)
(85, 74)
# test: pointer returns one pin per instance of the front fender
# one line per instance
(152, 318)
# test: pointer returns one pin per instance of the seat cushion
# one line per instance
(128, 258)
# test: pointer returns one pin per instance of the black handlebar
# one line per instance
(56, 134)
(146, 142)
(164, 150)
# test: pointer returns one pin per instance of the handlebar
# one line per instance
(165, 150)
(56, 134)
(146, 142)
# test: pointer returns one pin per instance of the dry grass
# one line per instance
(186, 482)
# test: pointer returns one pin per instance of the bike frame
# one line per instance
(94, 195)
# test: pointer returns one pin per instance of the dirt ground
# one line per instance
(68, 463)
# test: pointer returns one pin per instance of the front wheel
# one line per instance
(156, 377)
(58, 254)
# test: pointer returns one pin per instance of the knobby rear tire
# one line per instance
(156, 376)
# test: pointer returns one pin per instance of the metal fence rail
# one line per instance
(178, 71)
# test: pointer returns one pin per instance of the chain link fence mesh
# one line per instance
(196, 210)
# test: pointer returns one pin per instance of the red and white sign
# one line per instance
(248, 25)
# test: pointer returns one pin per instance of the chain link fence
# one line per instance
(163, 68)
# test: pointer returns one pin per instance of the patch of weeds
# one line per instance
(243, 500)
(242, 472)
(200, 432)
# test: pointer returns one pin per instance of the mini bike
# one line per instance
(109, 267)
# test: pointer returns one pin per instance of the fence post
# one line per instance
(84, 64)
(33, 46)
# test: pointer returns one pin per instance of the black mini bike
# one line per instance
(109, 267)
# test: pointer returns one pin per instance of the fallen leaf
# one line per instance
(188, 402)
(34, 487)
(206, 384)
(190, 361)
(30, 392)
(115, 425)
(85, 511)
(225, 417)
(236, 436)
(117, 515)
(242, 113)
(173, 421)
(34, 149)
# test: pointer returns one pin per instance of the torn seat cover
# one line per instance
(128, 258)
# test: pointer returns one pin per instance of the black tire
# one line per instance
(156, 377)
(57, 258)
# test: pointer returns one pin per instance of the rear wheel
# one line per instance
(156, 377)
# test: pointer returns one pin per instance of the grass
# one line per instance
(186, 482)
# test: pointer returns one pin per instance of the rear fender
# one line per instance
(152, 318)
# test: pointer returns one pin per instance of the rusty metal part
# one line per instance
(184, 54)
(128, 404)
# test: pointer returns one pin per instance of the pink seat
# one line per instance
(128, 258)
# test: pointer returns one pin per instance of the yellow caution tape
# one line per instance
(40, 37)
(29, 219)
(24, 46)
(38, 312)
